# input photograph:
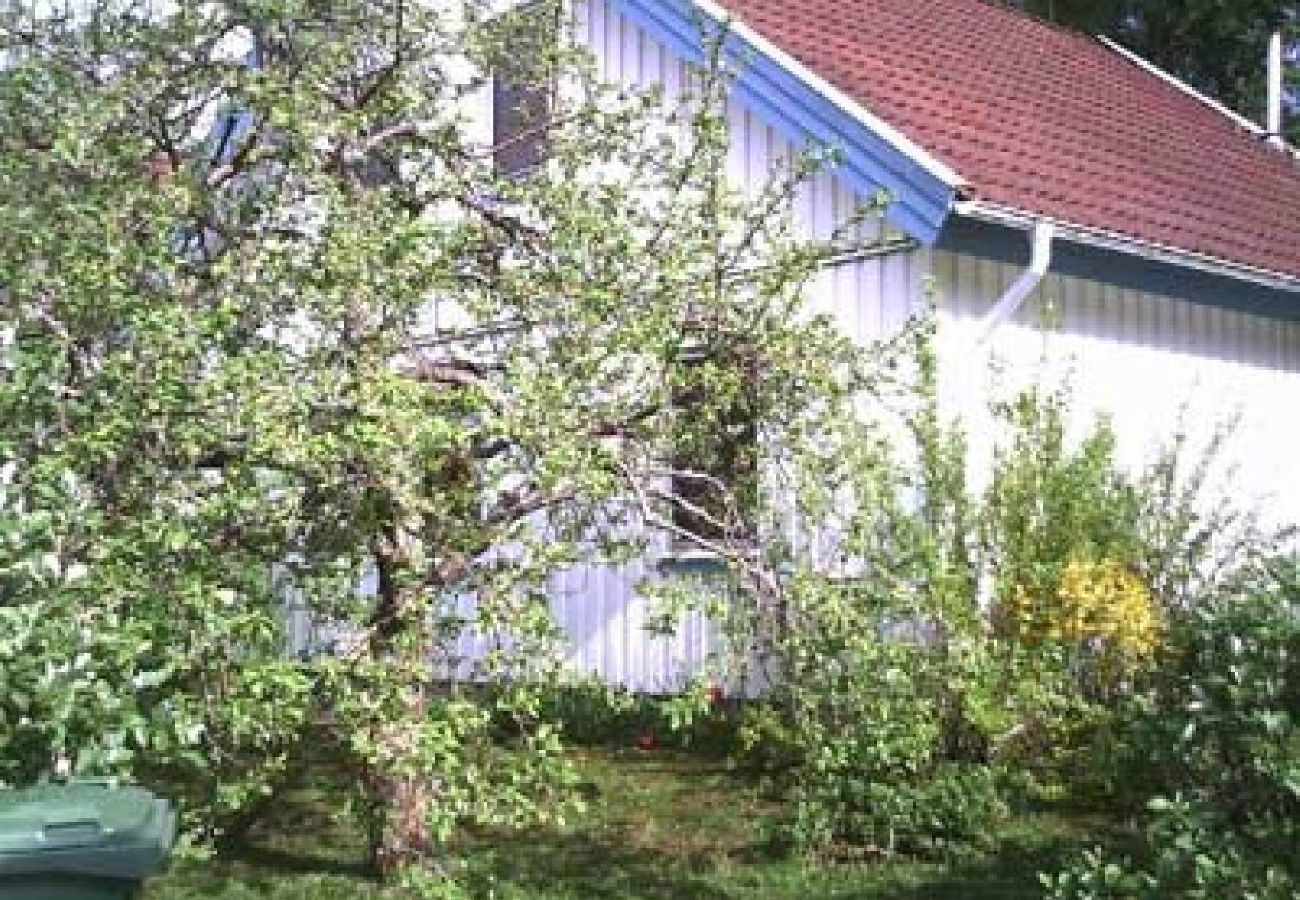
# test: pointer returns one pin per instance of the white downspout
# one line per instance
(1040, 261)
(1275, 76)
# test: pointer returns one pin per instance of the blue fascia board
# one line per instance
(1124, 270)
(919, 201)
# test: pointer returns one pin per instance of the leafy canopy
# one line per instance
(275, 324)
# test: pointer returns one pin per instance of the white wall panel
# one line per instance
(1153, 363)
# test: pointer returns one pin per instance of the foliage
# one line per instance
(91, 680)
(1089, 561)
(1069, 618)
(1102, 604)
(866, 737)
(1190, 856)
(861, 632)
(884, 670)
(948, 811)
(1195, 535)
(1051, 508)
(892, 691)
(275, 324)
(1223, 717)
(590, 713)
(1217, 738)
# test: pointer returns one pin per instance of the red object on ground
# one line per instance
(646, 741)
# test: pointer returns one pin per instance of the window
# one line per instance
(524, 88)
(715, 453)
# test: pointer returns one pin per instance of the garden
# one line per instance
(1123, 731)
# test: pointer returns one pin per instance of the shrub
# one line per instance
(1100, 610)
(1063, 530)
(856, 736)
(1186, 854)
(1051, 506)
(946, 810)
(896, 695)
(1216, 737)
(589, 712)
(765, 740)
(1220, 719)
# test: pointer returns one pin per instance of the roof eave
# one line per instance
(1126, 244)
(873, 156)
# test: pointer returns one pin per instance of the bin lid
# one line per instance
(89, 827)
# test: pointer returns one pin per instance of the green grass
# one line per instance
(659, 827)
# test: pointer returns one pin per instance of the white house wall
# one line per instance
(599, 607)
(1155, 364)
(1137, 356)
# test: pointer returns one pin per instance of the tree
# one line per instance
(1219, 48)
(228, 226)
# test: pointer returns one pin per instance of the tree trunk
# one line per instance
(400, 790)
(403, 838)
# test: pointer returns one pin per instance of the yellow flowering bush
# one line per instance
(1107, 600)
(1101, 605)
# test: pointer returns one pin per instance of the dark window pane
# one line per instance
(523, 91)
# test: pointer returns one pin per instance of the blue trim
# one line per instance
(919, 200)
(228, 133)
(1010, 245)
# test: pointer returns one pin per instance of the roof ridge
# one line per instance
(1179, 84)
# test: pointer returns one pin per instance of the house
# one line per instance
(1028, 168)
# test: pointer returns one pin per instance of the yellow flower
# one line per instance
(1101, 603)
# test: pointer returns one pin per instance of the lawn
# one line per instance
(660, 827)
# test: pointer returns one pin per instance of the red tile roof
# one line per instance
(1050, 122)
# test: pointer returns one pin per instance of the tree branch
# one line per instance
(456, 374)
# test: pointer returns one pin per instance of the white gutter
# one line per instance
(848, 105)
(1275, 91)
(1121, 243)
(1010, 302)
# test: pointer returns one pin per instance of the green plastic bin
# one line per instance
(82, 840)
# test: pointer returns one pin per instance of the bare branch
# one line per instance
(764, 581)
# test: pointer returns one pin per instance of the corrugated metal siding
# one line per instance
(598, 607)
(1155, 364)
(607, 621)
